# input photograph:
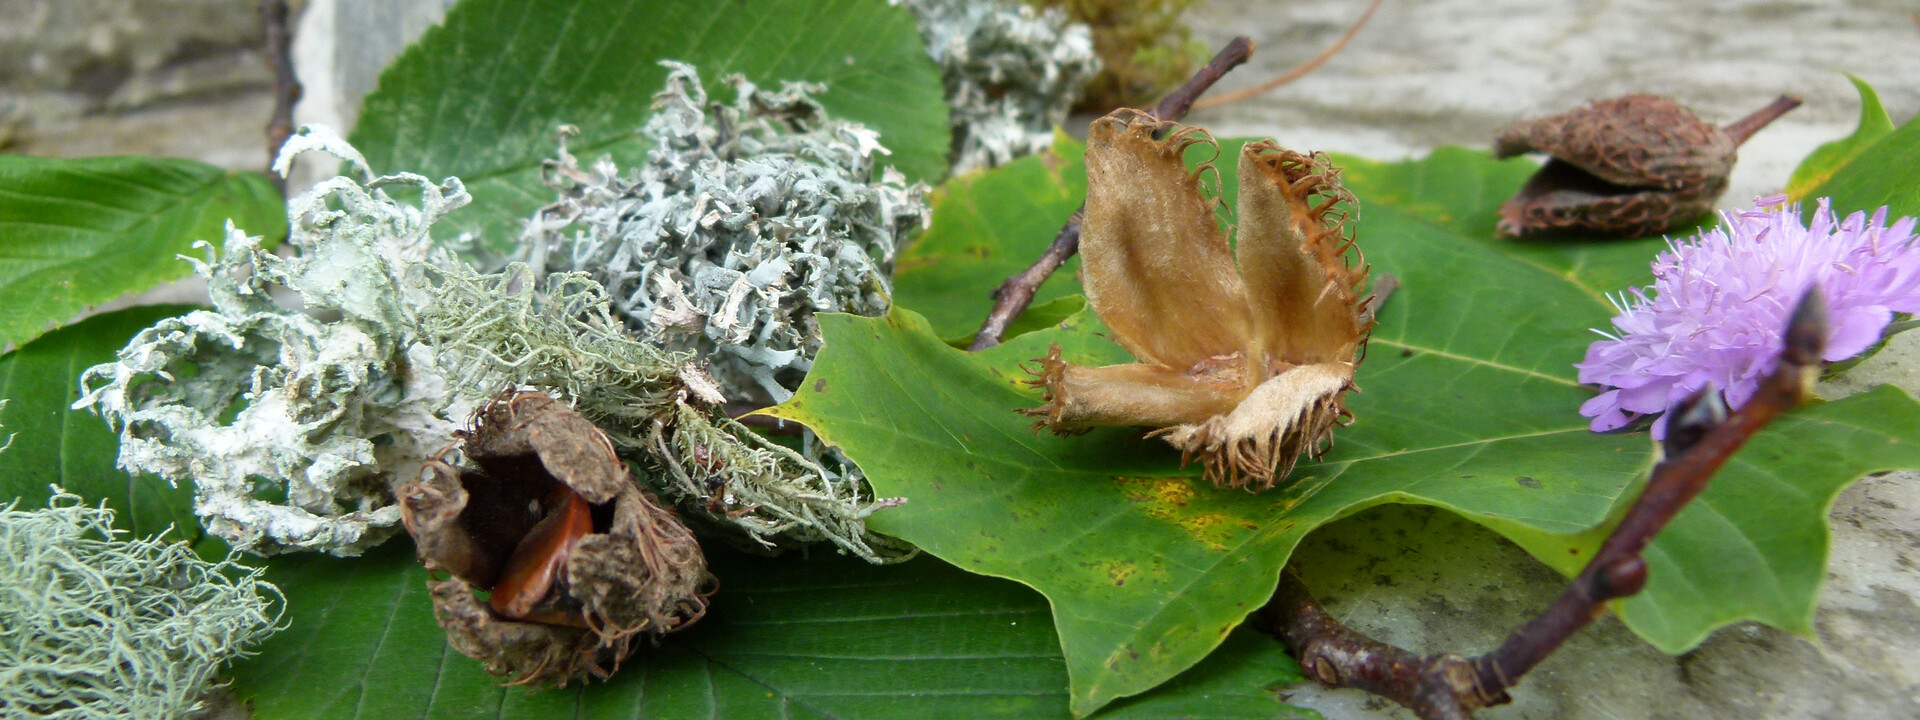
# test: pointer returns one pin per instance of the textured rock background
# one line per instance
(185, 78)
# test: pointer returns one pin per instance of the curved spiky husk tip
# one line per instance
(1050, 378)
(1256, 445)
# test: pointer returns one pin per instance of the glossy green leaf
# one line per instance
(482, 95)
(77, 233)
(825, 638)
(1830, 157)
(1468, 402)
(1884, 173)
(983, 227)
(53, 444)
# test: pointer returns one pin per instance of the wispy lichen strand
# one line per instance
(659, 407)
(94, 626)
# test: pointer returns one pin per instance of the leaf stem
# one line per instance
(1740, 130)
(1701, 437)
(1013, 296)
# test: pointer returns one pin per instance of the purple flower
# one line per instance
(1719, 303)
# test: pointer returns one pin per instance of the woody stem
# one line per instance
(1700, 438)
(1014, 295)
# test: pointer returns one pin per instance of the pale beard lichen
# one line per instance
(656, 406)
(1011, 71)
(95, 626)
(1245, 352)
(252, 400)
(745, 220)
(292, 429)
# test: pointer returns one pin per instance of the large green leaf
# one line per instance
(77, 233)
(53, 444)
(1468, 403)
(1884, 172)
(482, 95)
(1827, 159)
(826, 638)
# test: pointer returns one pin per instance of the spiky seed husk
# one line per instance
(638, 572)
(1245, 351)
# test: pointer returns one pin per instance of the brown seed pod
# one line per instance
(577, 559)
(1630, 166)
(1245, 351)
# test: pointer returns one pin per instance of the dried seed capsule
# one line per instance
(577, 558)
(1245, 351)
(1630, 166)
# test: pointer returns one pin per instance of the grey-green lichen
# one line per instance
(657, 406)
(96, 626)
(745, 220)
(1011, 72)
(294, 429)
(297, 429)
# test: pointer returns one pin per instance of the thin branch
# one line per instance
(1745, 127)
(1013, 296)
(1700, 438)
(286, 88)
(1299, 71)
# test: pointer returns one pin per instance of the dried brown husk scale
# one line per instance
(639, 573)
(1245, 351)
(1630, 166)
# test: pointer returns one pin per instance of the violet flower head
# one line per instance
(1720, 301)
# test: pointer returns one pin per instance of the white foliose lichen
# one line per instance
(292, 428)
(745, 221)
(296, 429)
(1011, 73)
(96, 626)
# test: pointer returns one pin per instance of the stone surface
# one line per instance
(63, 58)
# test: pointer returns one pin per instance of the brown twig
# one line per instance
(1299, 71)
(1013, 296)
(1740, 130)
(286, 88)
(1700, 438)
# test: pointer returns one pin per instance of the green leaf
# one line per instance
(1468, 402)
(827, 638)
(53, 444)
(77, 233)
(983, 223)
(482, 95)
(1884, 173)
(1831, 157)
(1754, 545)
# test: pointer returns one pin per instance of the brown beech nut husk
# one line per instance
(1630, 166)
(577, 559)
(1245, 351)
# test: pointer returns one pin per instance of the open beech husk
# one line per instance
(1244, 352)
(577, 558)
(1629, 166)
